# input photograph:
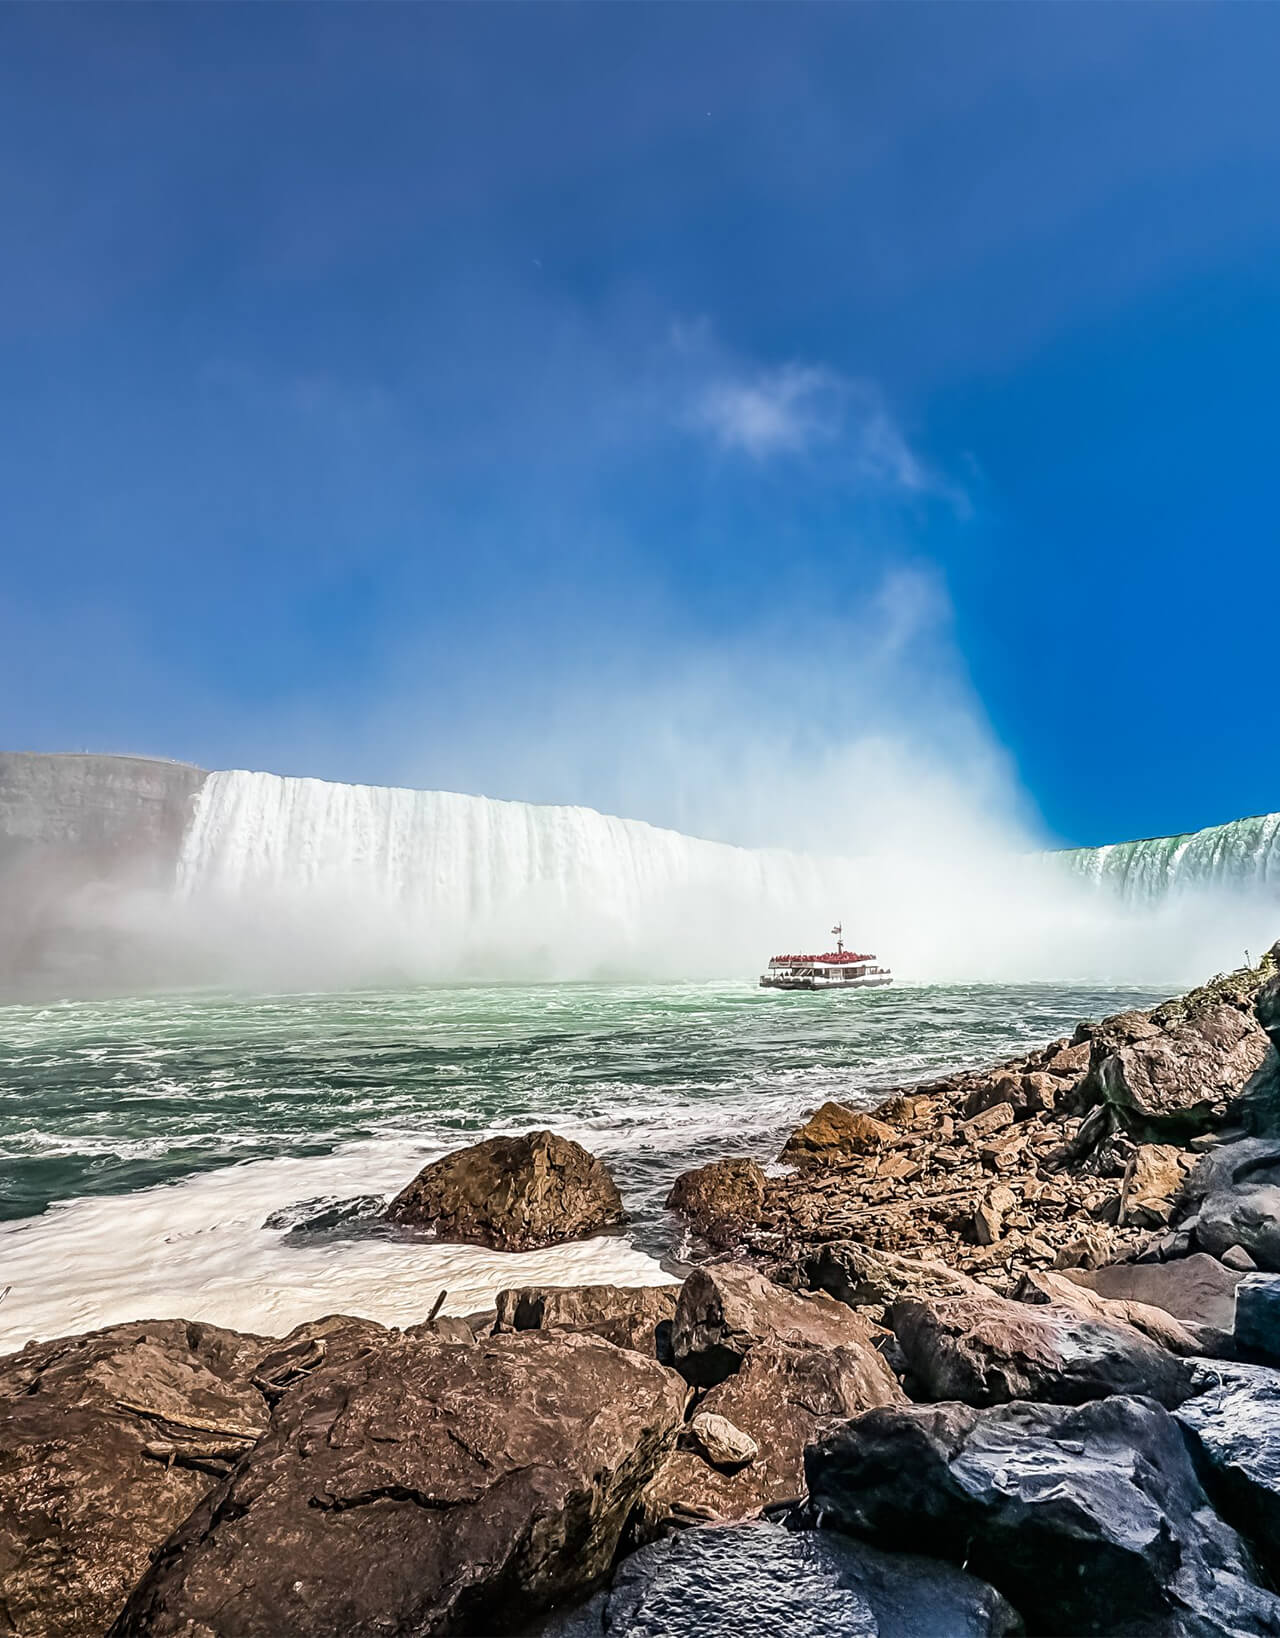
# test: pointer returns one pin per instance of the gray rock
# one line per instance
(988, 1350)
(725, 1308)
(1090, 1520)
(721, 1442)
(1238, 1190)
(1258, 1314)
(1238, 1259)
(1233, 1426)
(1196, 1289)
(513, 1194)
(328, 1216)
(1267, 1006)
(421, 1487)
(762, 1579)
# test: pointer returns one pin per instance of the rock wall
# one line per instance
(80, 837)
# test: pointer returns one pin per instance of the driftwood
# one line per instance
(197, 1424)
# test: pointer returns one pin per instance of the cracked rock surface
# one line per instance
(421, 1487)
(107, 1441)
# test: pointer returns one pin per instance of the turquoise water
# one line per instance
(111, 1097)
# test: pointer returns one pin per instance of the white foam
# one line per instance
(197, 1250)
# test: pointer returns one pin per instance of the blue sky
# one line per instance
(390, 392)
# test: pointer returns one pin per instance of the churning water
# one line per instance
(145, 1143)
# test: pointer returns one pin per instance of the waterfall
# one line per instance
(1242, 855)
(301, 880)
(438, 873)
(448, 858)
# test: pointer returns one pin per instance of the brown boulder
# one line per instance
(834, 1133)
(107, 1442)
(988, 1219)
(1007, 1086)
(721, 1200)
(724, 1309)
(1181, 1079)
(1091, 1249)
(784, 1395)
(627, 1316)
(1118, 1030)
(1069, 1061)
(326, 1341)
(913, 1109)
(512, 1194)
(989, 1350)
(423, 1487)
(994, 1118)
(1156, 1174)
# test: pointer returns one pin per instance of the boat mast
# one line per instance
(838, 930)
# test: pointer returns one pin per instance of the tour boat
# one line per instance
(839, 969)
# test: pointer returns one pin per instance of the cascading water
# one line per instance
(444, 875)
(300, 881)
(1242, 855)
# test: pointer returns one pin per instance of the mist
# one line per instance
(813, 772)
(645, 807)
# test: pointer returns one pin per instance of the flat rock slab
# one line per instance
(1233, 1424)
(874, 1280)
(107, 1442)
(512, 1194)
(421, 1487)
(1197, 1289)
(1045, 1286)
(762, 1581)
(1090, 1519)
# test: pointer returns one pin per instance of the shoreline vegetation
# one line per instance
(997, 1356)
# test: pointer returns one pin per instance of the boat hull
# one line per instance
(877, 982)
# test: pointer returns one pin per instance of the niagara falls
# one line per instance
(639, 834)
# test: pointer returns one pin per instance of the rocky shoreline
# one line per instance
(997, 1356)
